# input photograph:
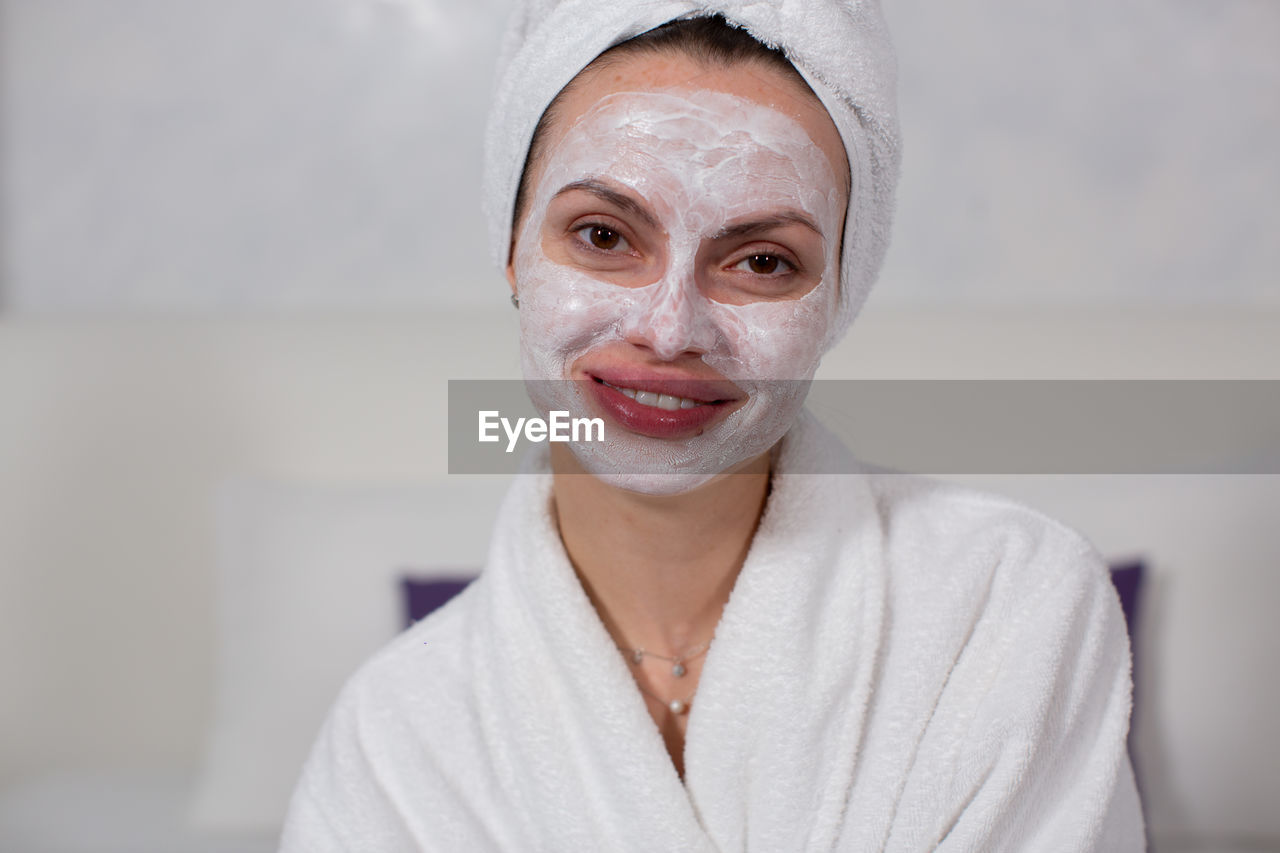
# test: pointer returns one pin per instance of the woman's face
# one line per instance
(677, 264)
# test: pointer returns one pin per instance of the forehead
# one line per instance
(698, 158)
(763, 94)
(699, 134)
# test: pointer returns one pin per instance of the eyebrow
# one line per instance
(606, 193)
(755, 226)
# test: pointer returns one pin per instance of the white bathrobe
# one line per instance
(902, 666)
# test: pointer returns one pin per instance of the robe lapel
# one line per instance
(781, 704)
(592, 770)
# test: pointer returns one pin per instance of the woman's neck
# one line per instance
(659, 570)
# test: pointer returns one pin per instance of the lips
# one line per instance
(661, 407)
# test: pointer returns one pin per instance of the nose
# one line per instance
(672, 321)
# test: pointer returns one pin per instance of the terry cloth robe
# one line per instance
(902, 665)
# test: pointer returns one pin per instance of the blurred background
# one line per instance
(241, 254)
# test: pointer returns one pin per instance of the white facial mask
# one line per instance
(699, 161)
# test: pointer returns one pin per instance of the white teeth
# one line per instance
(668, 402)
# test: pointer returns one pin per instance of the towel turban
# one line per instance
(840, 47)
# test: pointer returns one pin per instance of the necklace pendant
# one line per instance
(637, 656)
(678, 670)
(676, 706)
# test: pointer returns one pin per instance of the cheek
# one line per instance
(775, 340)
(564, 313)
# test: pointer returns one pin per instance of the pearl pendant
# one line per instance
(678, 670)
(676, 706)
(637, 656)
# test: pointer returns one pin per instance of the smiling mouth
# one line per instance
(657, 409)
(667, 402)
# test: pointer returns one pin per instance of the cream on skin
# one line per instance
(701, 229)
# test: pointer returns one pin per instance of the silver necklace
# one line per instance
(678, 669)
(675, 706)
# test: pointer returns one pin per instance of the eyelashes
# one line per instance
(603, 238)
(765, 264)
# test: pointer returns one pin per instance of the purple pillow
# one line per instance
(422, 596)
(1127, 578)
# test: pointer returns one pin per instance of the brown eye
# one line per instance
(764, 264)
(603, 238)
(600, 237)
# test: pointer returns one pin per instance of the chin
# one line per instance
(655, 485)
(652, 467)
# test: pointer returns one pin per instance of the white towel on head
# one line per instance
(841, 47)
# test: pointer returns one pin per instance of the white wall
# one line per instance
(306, 153)
(207, 154)
(1087, 152)
(114, 437)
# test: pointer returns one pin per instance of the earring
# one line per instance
(515, 301)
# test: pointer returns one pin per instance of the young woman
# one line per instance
(688, 637)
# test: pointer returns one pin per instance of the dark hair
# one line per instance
(710, 40)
